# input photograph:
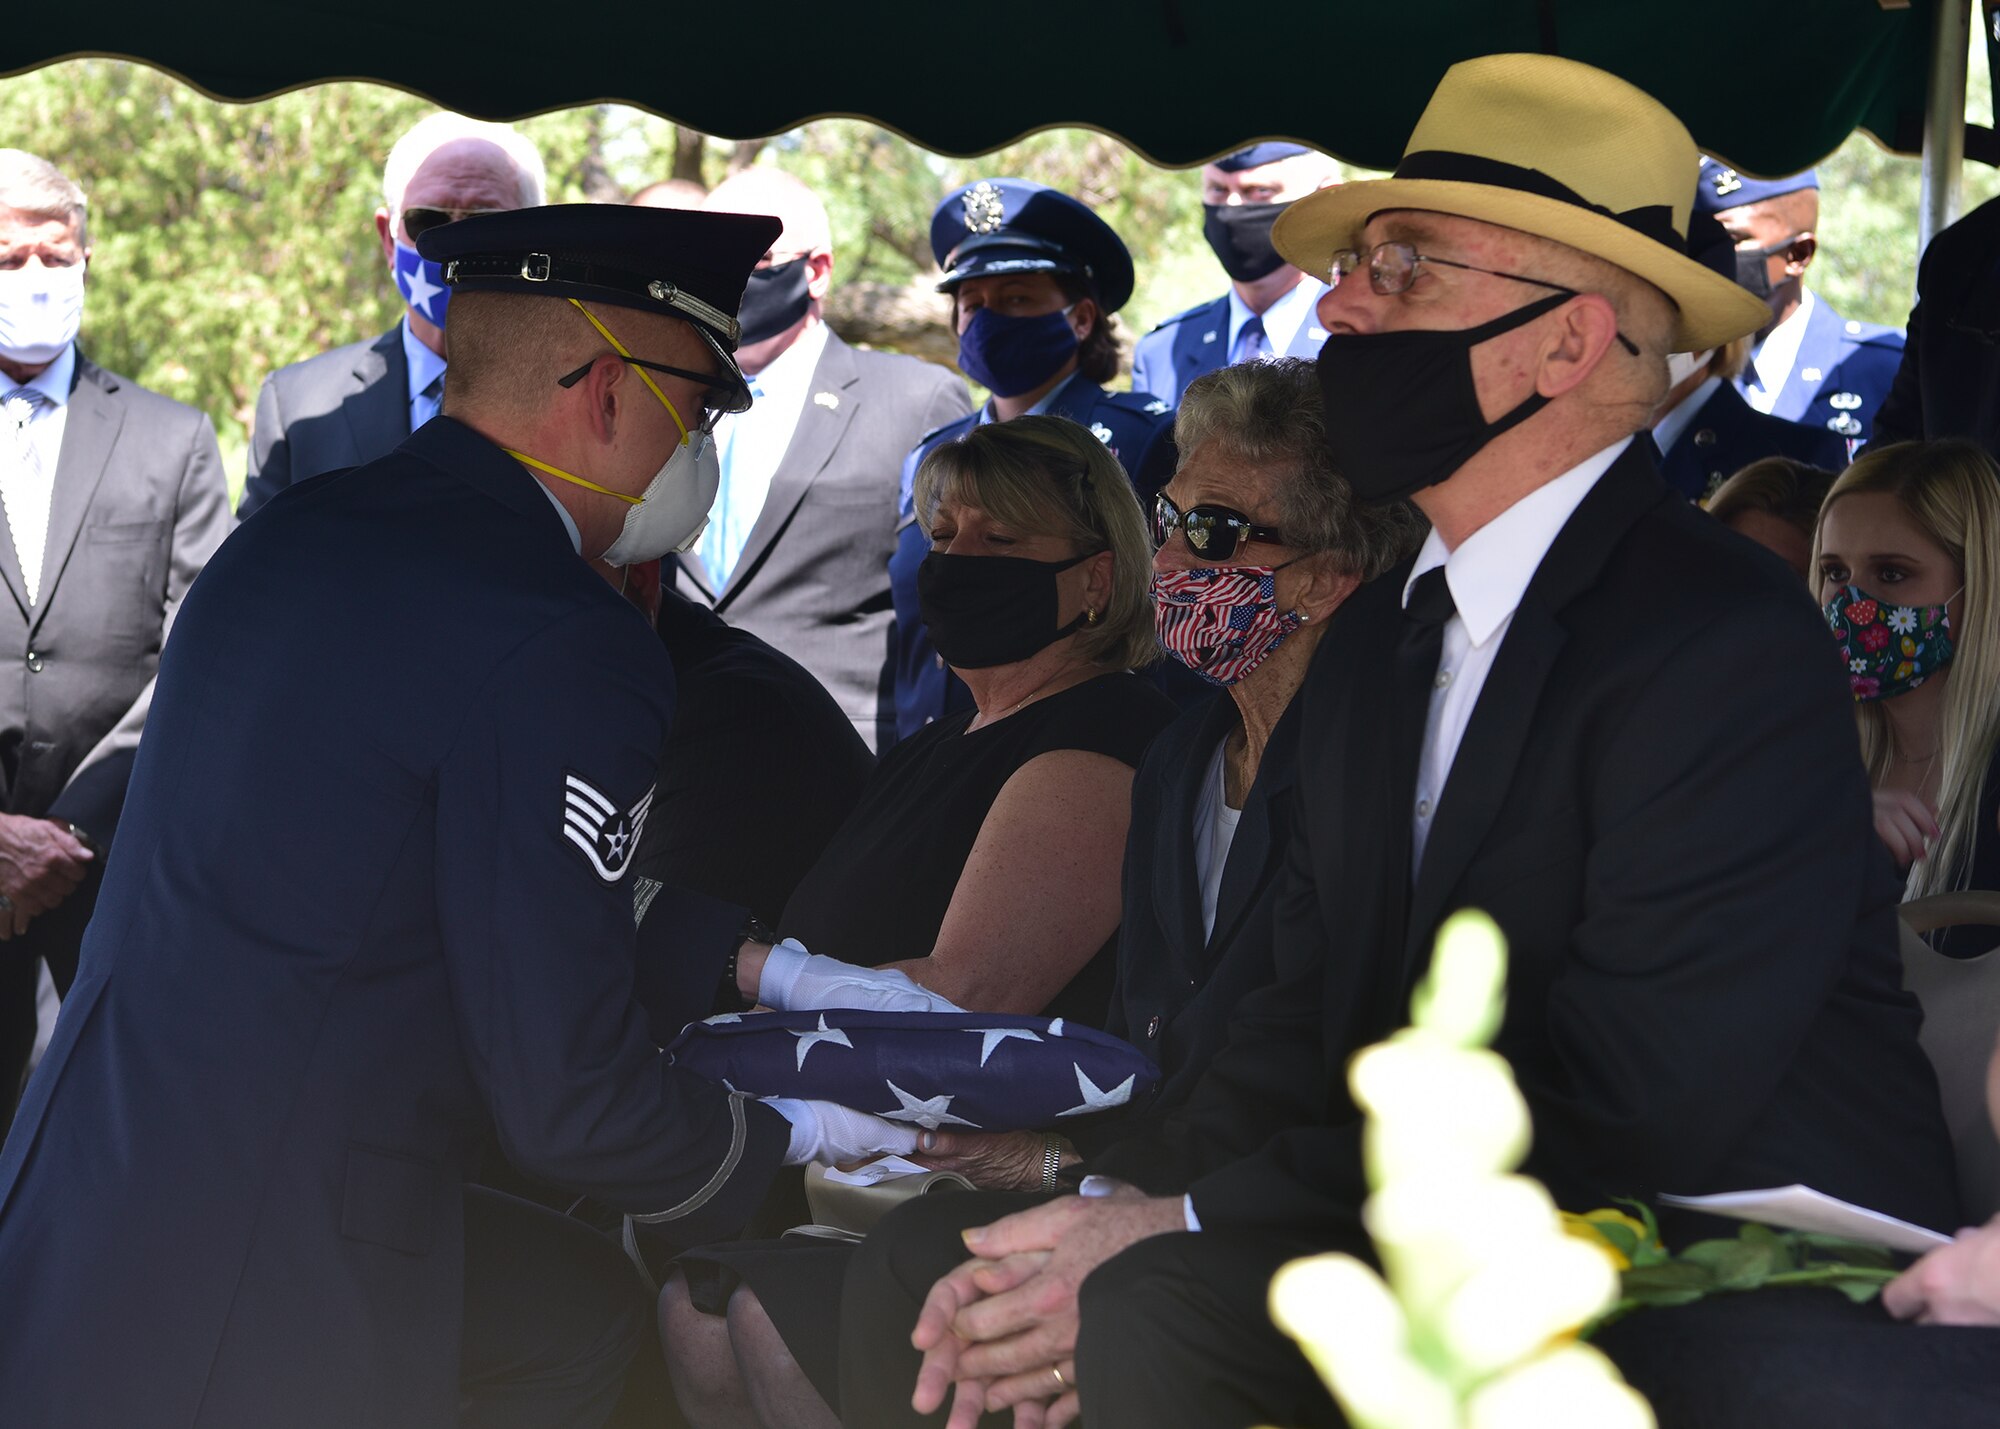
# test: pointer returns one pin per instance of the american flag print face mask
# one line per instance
(1221, 622)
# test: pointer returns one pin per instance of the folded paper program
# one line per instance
(969, 1070)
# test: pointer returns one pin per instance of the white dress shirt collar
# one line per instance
(1779, 353)
(785, 377)
(1490, 570)
(1668, 429)
(1282, 320)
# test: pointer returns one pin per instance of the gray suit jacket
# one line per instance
(339, 409)
(139, 506)
(813, 579)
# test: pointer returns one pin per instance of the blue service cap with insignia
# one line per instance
(1258, 155)
(999, 226)
(1721, 187)
(686, 263)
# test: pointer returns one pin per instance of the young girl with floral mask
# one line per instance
(1906, 565)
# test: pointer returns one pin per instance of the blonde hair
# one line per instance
(1048, 476)
(1951, 490)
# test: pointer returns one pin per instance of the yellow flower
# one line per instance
(1589, 1227)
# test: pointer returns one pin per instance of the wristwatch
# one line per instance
(728, 996)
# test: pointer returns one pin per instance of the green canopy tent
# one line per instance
(963, 80)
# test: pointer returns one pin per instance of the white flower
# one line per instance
(1901, 619)
(1462, 997)
(1437, 1111)
(1354, 1332)
(1538, 1287)
(1571, 1387)
(1435, 1233)
(1859, 667)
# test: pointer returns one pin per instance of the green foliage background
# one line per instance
(233, 239)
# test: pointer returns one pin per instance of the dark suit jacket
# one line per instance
(759, 770)
(139, 506)
(1176, 985)
(1658, 797)
(813, 580)
(386, 919)
(1727, 434)
(1949, 381)
(341, 408)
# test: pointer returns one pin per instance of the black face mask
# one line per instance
(1402, 410)
(991, 610)
(775, 298)
(1240, 234)
(1753, 267)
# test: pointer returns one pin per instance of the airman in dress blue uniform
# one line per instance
(1034, 277)
(1704, 429)
(1269, 309)
(1811, 365)
(388, 922)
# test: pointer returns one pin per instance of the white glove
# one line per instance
(829, 1132)
(795, 980)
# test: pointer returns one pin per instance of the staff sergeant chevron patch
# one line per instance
(594, 824)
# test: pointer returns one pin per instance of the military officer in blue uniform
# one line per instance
(1810, 365)
(1704, 430)
(1034, 278)
(1269, 309)
(387, 923)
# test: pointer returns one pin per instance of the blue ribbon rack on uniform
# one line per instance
(932, 1069)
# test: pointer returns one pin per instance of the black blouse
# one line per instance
(879, 892)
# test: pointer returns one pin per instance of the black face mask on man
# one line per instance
(1753, 266)
(991, 610)
(1402, 409)
(1240, 235)
(775, 298)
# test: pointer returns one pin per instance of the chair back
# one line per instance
(1961, 1003)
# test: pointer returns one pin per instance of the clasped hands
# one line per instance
(41, 864)
(1000, 1331)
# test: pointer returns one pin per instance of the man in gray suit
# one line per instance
(798, 543)
(113, 499)
(358, 402)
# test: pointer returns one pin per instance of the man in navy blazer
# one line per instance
(356, 403)
(389, 922)
(1268, 308)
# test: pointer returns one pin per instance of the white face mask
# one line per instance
(1683, 365)
(40, 311)
(673, 510)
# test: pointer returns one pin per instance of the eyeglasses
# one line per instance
(1213, 532)
(715, 400)
(1392, 267)
(419, 221)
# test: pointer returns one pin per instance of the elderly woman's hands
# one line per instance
(991, 1160)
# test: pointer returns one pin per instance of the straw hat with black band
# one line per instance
(1556, 149)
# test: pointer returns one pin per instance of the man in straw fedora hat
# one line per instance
(1583, 707)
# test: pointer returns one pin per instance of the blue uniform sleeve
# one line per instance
(1153, 364)
(540, 801)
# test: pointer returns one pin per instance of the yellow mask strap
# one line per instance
(559, 474)
(644, 376)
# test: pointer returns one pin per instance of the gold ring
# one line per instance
(1056, 1370)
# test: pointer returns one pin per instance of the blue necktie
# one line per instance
(1250, 343)
(728, 530)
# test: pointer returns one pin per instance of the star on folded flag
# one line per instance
(994, 1036)
(810, 1040)
(929, 1113)
(1095, 1098)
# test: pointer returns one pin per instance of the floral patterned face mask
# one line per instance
(1890, 649)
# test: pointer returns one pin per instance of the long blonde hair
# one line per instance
(1951, 490)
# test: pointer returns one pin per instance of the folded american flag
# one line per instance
(932, 1069)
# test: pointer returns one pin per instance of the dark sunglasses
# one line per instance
(715, 400)
(419, 221)
(1213, 532)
